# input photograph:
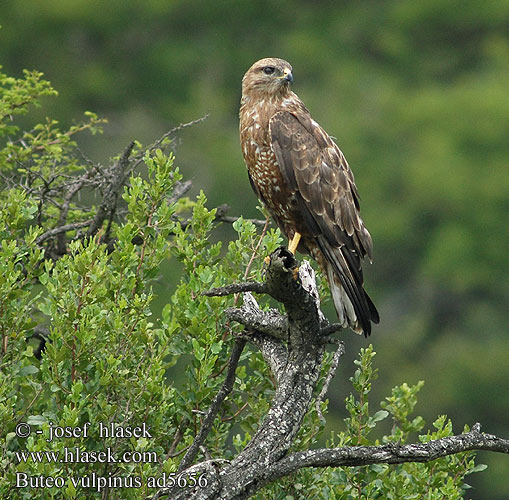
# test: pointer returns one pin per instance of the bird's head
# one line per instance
(269, 76)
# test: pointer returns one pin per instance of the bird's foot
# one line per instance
(295, 273)
(292, 247)
(288, 260)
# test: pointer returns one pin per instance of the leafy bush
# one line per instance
(442, 478)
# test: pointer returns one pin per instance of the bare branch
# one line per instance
(110, 196)
(180, 189)
(62, 229)
(157, 144)
(64, 209)
(251, 316)
(392, 453)
(340, 351)
(249, 286)
(226, 388)
(230, 220)
(221, 216)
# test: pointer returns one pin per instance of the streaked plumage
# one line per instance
(301, 175)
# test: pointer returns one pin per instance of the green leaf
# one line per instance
(477, 468)
(28, 370)
(380, 415)
(199, 351)
(216, 347)
(36, 420)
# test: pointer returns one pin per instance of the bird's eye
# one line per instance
(268, 70)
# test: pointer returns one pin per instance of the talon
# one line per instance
(292, 247)
(295, 273)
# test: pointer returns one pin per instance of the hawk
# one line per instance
(303, 178)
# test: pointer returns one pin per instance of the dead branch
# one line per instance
(340, 351)
(353, 456)
(249, 286)
(226, 388)
(112, 191)
(293, 346)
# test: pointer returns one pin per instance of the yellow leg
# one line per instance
(292, 247)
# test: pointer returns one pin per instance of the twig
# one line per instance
(255, 251)
(249, 286)
(221, 216)
(332, 371)
(157, 144)
(178, 128)
(180, 189)
(330, 329)
(231, 220)
(226, 388)
(236, 414)
(110, 196)
(176, 440)
(62, 229)
(27, 409)
(177, 453)
(64, 209)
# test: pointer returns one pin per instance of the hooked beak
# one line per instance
(287, 75)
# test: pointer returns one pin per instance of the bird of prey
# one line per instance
(303, 178)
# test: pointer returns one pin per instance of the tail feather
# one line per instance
(353, 305)
(343, 305)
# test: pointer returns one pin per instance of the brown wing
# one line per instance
(319, 176)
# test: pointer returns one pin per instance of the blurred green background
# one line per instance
(416, 93)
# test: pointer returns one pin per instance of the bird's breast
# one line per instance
(266, 176)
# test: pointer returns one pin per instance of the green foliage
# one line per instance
(206, 340)
(17, 94)
(46, 148)
(19, 262)
(442, 478)
(105, 360)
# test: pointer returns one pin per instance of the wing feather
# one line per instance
(321, 180)
(315, 169)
